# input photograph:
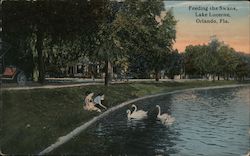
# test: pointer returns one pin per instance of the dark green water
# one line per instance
(208, 122)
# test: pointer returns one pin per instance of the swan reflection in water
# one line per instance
(134, 124)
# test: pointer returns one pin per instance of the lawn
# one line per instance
(34, 119)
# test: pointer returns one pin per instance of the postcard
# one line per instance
(124, 77)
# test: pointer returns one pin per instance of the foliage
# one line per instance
(174, 65)
(70, 25)
(138, 34)
(216, 59)
(146, 28)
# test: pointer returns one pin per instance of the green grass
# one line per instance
(34, 119)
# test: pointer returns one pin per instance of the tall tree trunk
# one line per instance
(39, 48)
(34, 65)
(157, 75)
(218, 77)
(213, 77)
(106, 73)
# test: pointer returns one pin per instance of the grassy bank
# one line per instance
(33, 119)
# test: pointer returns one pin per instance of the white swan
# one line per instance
(140, 114)
(135, 115)
(165, 118)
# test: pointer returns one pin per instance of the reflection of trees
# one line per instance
(220, 95)
(214, 105)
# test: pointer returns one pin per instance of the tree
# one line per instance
(189, 60)
(108, 47)
(146, 28)
(54, 21)
(242, 70)
(228, 61)
(215, 58)
(212, 56)
(174, 64)
(138, 65)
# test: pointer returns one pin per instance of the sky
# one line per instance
(235, 33)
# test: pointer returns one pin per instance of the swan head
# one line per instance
(135, 108)
(157, 106)
(128, 111)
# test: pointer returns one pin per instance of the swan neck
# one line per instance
(129, 113)
(159, 113)
(135, 108)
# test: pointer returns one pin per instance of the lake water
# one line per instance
(208, 122)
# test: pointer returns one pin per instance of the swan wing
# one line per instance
(141, 112)
(169, 121)
(138, 115)
(166, 119)
(164, 116)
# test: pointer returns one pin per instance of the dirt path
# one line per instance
(51, 86)
(87, 82)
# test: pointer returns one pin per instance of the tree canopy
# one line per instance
(215, 59)
(146, 28)
(36, 27)
(135, 35)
